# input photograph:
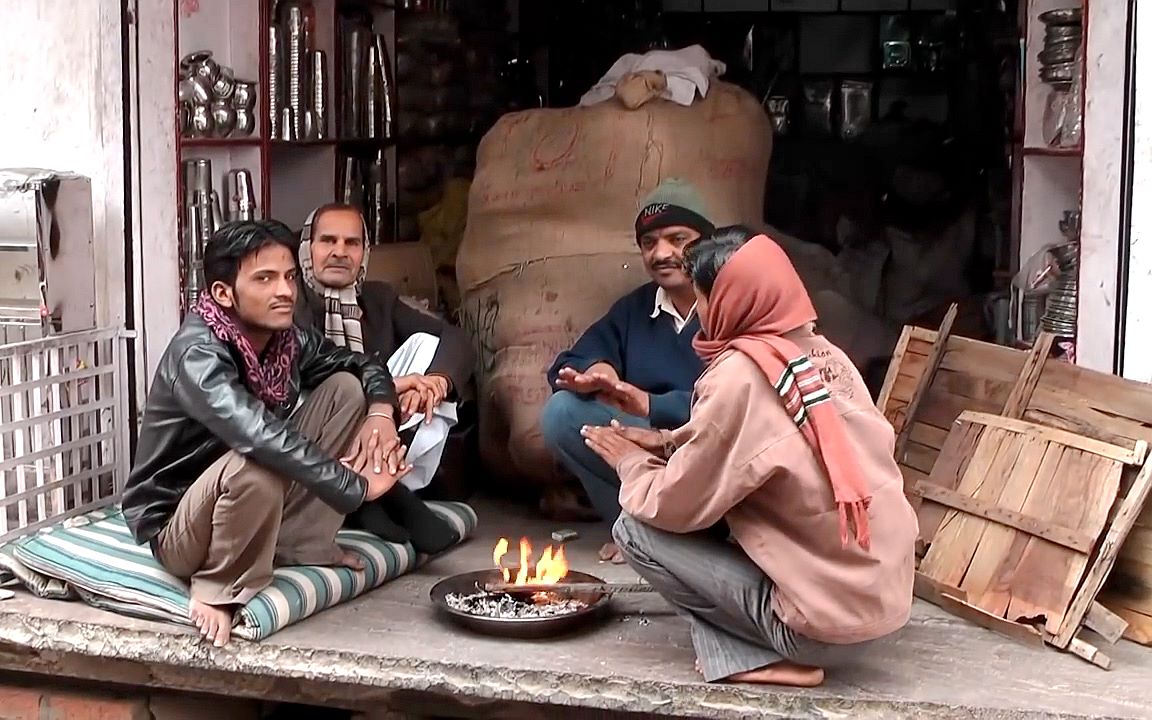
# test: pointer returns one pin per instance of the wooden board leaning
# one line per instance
(994, 431)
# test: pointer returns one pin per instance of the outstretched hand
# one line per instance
(646, 438)
(625, 397)
(609, 444)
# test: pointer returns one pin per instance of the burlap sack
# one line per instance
(549, 244)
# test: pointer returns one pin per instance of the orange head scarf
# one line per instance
(758, 298)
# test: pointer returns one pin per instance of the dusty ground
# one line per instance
(390, 645)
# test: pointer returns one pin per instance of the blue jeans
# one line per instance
(564, 414)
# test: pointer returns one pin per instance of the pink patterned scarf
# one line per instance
(270, 379)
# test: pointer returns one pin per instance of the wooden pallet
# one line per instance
(1012, 515)
(979, 376)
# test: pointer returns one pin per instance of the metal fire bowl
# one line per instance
(517, 628)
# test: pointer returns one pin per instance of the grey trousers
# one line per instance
(726, 599)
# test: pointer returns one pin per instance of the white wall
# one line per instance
(62, 94)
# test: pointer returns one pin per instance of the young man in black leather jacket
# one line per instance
(258, 436)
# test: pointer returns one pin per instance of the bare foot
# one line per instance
(782, 673)
(611, 554)
(213, 621)
(350, 560)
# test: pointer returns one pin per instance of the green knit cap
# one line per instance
(673, 202)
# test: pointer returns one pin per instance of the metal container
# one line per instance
(241, 195)
(275, 81)
(225, 84)
(1063, 16)
(184, 119)
(353, 81)
(197, 177)
(296, 63)
(244, 96)
(288, 124)
(1060, 74)
(193, 255)
(200, 64)
(194, 90)
(387, 89)
(518, 628)
(1058, 33)
(372, 90)
(223, 118)
(378, 198)
(202, 122)
(319, 96)
(245, 123)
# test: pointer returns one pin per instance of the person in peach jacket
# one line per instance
(787, 457)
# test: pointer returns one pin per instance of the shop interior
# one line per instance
(933, 147)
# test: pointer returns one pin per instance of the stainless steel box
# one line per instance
(47, 263)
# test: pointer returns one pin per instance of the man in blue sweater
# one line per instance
(636, 364)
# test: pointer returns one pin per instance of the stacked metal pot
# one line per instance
(203, 215)
(298, 86)
(1063, 34)
(212, 101)
(1060, 308)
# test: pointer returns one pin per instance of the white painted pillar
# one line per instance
(1136, 360)
(1100, 234)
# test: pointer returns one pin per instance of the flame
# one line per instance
(551, 568)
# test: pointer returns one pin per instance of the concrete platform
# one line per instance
(388, 650)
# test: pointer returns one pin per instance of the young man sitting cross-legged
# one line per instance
(258, 437)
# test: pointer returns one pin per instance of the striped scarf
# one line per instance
(342, 313)
(756, 300)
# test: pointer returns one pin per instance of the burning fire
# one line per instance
(551, 568)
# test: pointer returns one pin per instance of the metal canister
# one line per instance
(275, 86)
(319, 96)
(197, 177)
(296, 63)
(372, 88)
(287, 124)
(387, 88)
(193, 255)
(379, 209)
(241, 195)
(352, 98)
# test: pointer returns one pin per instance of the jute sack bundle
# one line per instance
(549, 244)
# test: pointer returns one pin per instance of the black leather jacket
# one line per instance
(199, 407)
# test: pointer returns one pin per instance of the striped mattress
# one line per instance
(94, 558)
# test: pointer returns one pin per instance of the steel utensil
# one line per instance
(512, 627)
(275, 81)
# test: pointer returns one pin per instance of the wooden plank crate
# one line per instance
(973, 376)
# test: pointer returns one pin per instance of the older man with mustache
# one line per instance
(635, 365)
(430, 359)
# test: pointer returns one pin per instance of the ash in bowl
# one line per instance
(498, 605)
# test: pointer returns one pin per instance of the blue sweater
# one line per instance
(645, 351)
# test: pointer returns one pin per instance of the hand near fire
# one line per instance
(610, 443)
(602, 381)
(589, 382)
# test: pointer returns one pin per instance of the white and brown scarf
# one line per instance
(342, 313)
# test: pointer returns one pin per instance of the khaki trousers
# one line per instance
(238, 519)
